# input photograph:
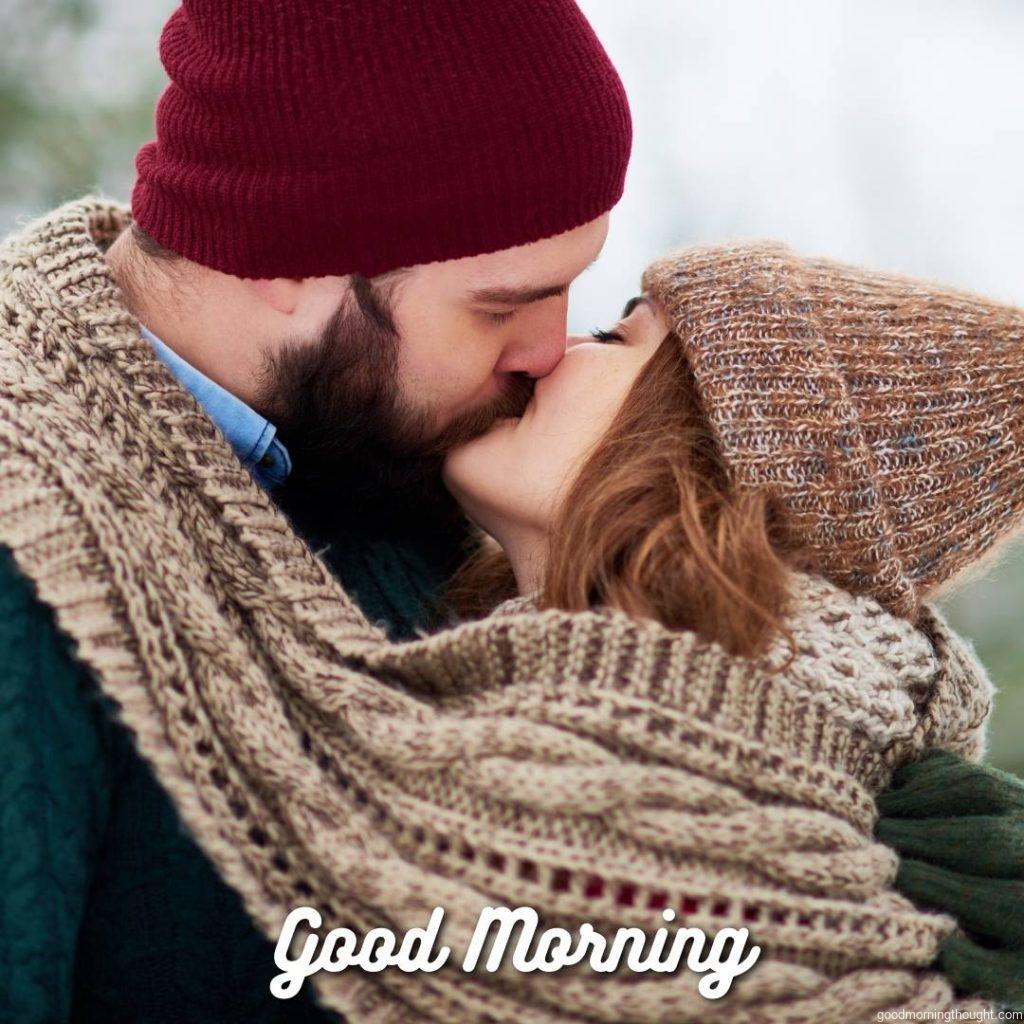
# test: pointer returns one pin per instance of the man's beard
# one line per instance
(359, 451)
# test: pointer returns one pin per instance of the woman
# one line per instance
(825, 391)
(868, 442)
(603, 764)
(610, 491)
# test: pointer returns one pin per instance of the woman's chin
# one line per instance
(501, 426)
(503, 423)
(473, 469)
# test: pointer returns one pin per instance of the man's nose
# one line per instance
(537, 355)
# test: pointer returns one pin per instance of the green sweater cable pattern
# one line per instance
(108, 909)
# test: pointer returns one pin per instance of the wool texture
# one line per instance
(593, 766)
(886, 413)
(958, 827)
(303, 138)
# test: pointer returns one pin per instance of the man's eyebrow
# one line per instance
(517, 296)
(521, 296)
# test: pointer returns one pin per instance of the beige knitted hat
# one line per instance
(886, 413)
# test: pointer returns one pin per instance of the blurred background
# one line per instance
(874, 132)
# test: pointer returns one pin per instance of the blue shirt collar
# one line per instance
(253, 437)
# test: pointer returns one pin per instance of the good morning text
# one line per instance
(513, 935)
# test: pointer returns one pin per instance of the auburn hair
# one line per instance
(652, 526)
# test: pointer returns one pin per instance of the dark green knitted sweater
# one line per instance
(111, 913)
(109, 910)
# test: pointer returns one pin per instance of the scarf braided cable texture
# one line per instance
(593, 767)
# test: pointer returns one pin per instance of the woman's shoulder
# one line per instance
(847, 653)
(520, 605)
(904, 687)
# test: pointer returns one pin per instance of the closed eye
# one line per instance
(607, 337)
(500, 318)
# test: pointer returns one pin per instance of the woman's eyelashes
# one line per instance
(631, 305)
(617, 335)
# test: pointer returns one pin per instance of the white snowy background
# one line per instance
(888, 132)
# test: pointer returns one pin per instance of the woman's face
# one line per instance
(511, 480)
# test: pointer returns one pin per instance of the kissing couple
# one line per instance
(334, 575)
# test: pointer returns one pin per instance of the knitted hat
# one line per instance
(886, 413)
(303, 138)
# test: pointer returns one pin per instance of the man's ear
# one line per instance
(280, 293)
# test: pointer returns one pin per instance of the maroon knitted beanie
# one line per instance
(301, 138)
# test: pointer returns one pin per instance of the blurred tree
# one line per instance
(988, 610)
(67, 113)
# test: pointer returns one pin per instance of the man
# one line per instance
(351, 241)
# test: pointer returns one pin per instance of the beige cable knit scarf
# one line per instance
(588, 765)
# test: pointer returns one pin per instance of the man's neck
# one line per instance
(176, 304)
(141, 288)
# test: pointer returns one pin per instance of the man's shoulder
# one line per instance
(56, 770)
(25, 621)
(35, 229)
(40, 676)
